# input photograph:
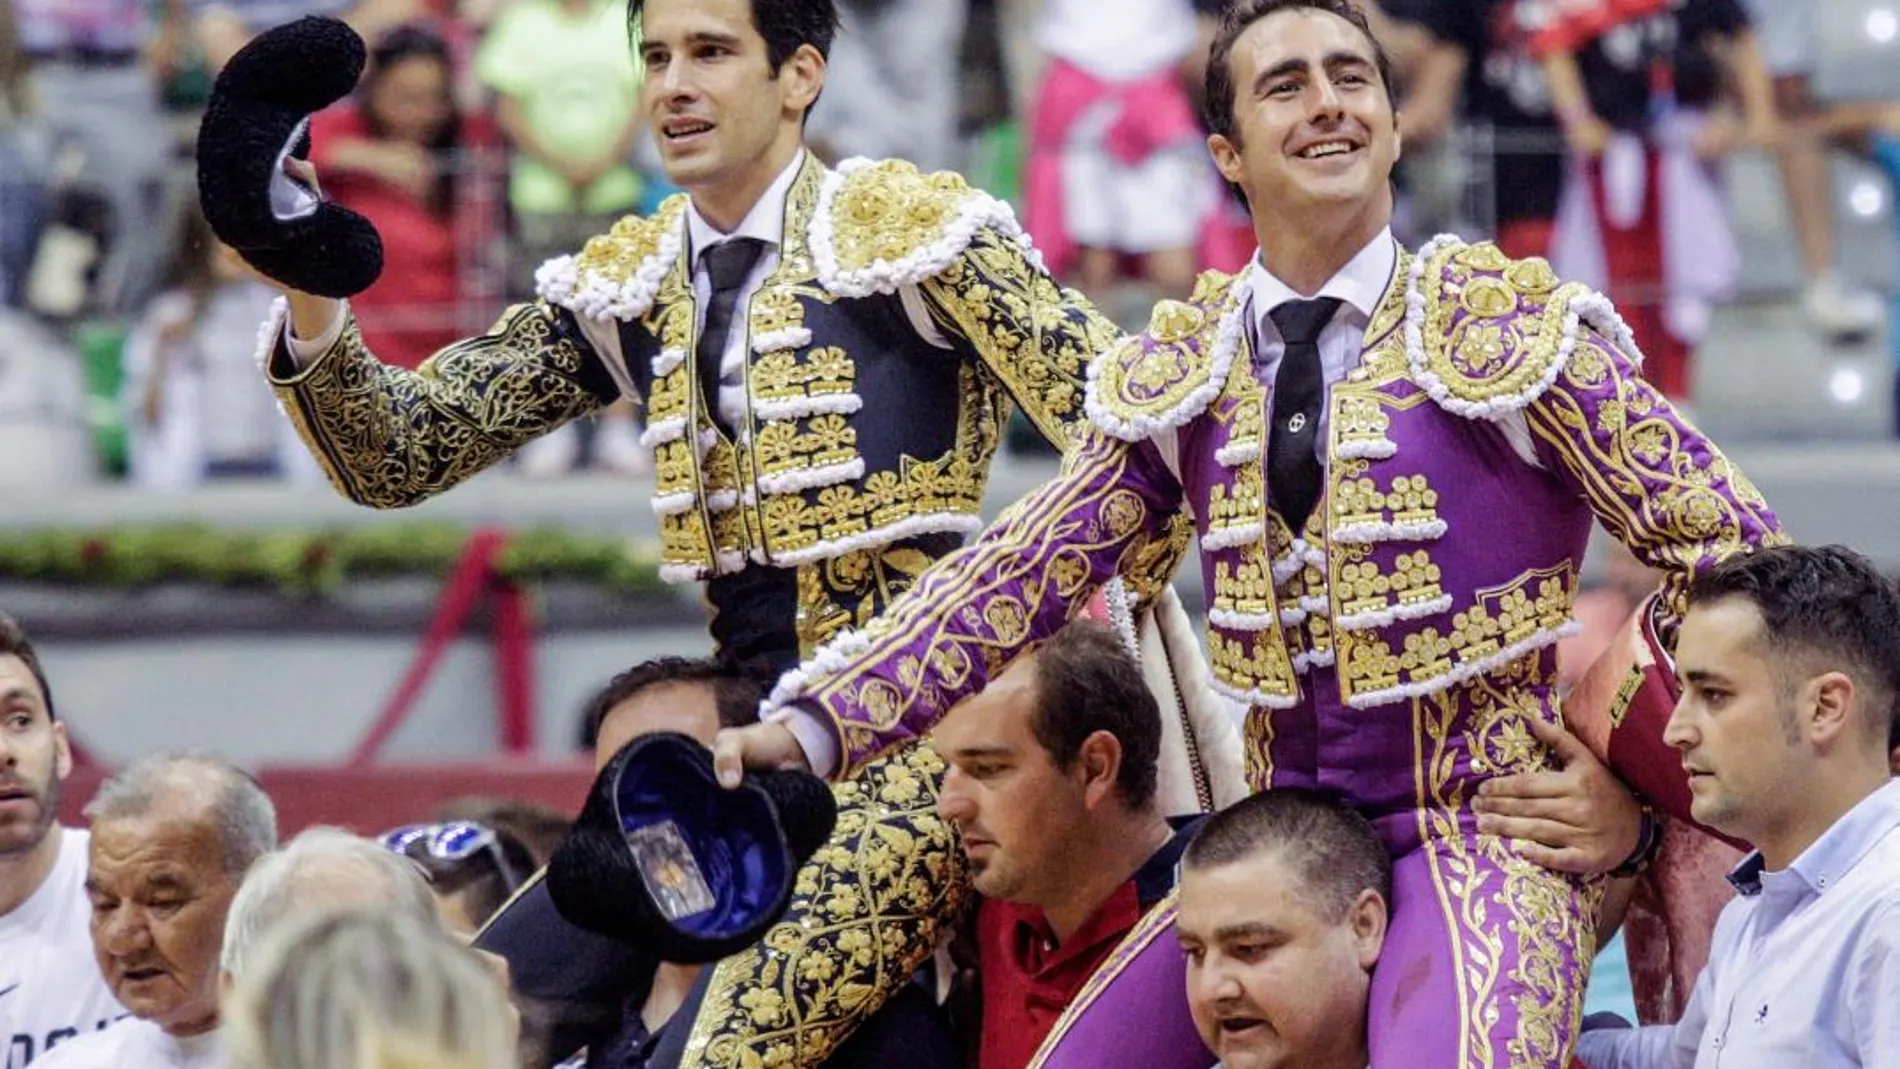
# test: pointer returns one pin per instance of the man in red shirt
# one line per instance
(1052, 787)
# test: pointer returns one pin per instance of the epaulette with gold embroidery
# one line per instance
(1168, 374)
(884, 224)
(616, 274)
(1486, 335)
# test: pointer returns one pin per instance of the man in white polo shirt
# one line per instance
(50, 988)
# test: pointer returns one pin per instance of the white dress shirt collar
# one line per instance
(766, 220)
(1360, 285)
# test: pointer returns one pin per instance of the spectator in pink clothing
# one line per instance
(1117, 167)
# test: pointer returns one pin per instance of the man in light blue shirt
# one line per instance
(1790, 663)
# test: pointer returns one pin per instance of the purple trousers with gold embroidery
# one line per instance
(1485, 954)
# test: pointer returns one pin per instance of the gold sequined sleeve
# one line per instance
(1654, 481)
(389, 437)
(1032, 334)
(1109, 512)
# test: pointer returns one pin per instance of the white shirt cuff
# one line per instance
(303, 352)
(814, 736)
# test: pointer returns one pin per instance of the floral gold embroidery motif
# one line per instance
(823, 372)
(389, 437)
(867, 911)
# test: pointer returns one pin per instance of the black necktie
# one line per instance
(727, 264)
(1293, 476)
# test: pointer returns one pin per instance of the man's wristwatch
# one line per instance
(1649, 835)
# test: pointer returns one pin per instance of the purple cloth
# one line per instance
(1393, 654)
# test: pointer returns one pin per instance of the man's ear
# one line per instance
(802, 77)
(1368, 917)
(1828, 713)
(1226, 158)
(1100, 759)
(62, 751)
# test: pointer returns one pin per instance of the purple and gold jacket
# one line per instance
(1412, 624)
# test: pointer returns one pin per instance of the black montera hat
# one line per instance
(259, 116)
(665, 859)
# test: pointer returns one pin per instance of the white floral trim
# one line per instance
(1253, 621)
(674, 504)
(792, 482)
(1600, 314)
(908, 527)
(1409, 531)
(773, 341)
(1584, 306)
(559, 281)
(1307, 660)
(829, 659)
(667, 361)
(841, 404)
(1252, 698)
(1238, 454)
(1298, 556)
(722, 501)
(663, 431)
(1367, 449)
(1404, 610)
(703, 444)
(977, 211)
(1317, 605)
(1140, 427)
(1121, 615)
(1439, 684)
(728, 562)
(1239, 534)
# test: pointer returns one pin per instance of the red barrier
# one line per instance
(370, 800)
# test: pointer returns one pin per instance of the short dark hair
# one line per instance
(786, 25)
(1086, 681)
(1336, 852)
(1217, 101)
(1825, 604)
(737, 691)
(14, 643)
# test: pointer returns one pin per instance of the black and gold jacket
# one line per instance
(863, 445)
(865, 449)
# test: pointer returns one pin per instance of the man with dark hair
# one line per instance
(1052, 789)
(1285, 899)
(51, 990)
(696, 697)
(1790, 664)
(1393, 460)
(826, 358)
(692, 682)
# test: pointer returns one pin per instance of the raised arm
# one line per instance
(390, 437)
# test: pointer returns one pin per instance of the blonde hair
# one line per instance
(362, 990)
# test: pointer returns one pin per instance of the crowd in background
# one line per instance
(489, 135)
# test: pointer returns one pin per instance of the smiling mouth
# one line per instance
(676, 129)
(1327, 149)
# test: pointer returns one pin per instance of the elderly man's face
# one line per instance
(159, 897)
